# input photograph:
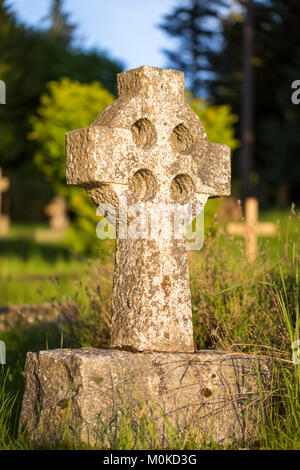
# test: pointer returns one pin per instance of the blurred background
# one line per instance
(59, 60)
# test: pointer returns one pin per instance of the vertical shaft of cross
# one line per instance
(251, 213)
(4, 186)
(151, 303)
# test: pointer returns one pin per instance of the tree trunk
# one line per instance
(247, 104)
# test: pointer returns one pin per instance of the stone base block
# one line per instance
(87, 394)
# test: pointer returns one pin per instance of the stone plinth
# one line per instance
(81, 393)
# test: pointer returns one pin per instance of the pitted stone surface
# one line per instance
(107, 150)
(212, 394)
(149, 146)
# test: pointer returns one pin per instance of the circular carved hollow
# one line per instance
(181, 139)
(144, 133)
(143, 186)
(182, 189)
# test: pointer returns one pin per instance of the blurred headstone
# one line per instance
(57, 212)
(4, 218)
(251, 229)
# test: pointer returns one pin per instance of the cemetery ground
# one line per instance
(237, 306)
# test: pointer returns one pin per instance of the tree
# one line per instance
(275, 63)
(68, 105)
(197, 27)
(60, 26)
(247, 103)
(29, 59)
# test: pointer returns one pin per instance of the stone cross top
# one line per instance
(150, 147)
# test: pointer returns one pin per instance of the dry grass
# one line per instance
(237, 306)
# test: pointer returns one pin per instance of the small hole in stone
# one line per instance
(182, 139)
(143, 185)
(182, 189)
(206, 392)
(143, 133)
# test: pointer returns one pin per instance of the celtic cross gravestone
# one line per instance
(148, 147)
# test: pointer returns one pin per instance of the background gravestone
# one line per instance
(147, 146)
(4, 218)
(57, 212)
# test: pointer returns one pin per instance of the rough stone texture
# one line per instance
(153, 312)
(149, 146)
(215, 394)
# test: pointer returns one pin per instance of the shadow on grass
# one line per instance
(25, 248)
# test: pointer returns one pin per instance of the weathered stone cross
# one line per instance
(4, 219)
(252, 228)
(150, 147)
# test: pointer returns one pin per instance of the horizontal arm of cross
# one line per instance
(215, 170)
(266, 228)
(99, 154)
(262, 228)
(236, 229)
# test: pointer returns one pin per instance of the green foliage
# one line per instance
(196, 25)
(219, 124)
(66, 106)
(29, 59)
(217, 120)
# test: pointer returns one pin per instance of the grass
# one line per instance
(237, 306)
(29, 270)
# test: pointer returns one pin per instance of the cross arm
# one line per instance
(236, 228)
(215, 171)
(99, 154)
(266, 228)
